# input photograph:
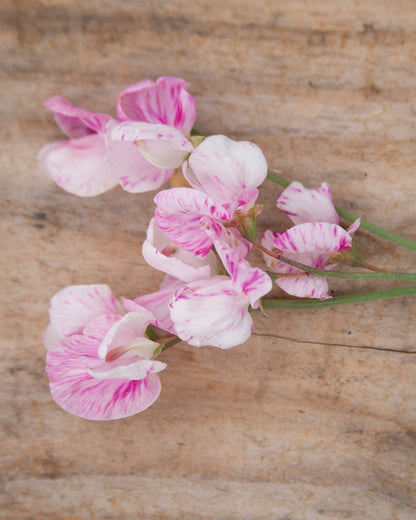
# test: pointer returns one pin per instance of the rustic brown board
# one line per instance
(314, 417)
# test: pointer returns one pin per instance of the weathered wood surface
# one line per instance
(314, 417)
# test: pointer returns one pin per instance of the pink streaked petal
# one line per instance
(98, 327)
(129, 329)
(77, 392)
(74, 121)
(132, 170)
(72, 308)
(224, 169)
(305, 286)
(78, 166)
(166, 102)
(179, 213)
(162, 254)
(313, 238)
(163, 146)
(304, 205)
(211, 312)
(127, 367)
(354, 226)
(158, 304)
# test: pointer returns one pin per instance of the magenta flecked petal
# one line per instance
(78, 166)
(314, 238)
(129, 367)
(74, 307)
(166, 102)
(98, 327)
(211, 312)
(303, 205)
(162, 254)
(79, 393)
(305, 286)
(227, 170)
(178, 214)
(74, 121)
(163, 146)
(158, 303)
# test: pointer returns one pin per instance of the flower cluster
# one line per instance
(101, 359)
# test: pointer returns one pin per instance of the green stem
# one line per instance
(166, 345)
(351, 218)
(351, 276)
(339, 300)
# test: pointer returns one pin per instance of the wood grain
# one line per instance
(314, 417)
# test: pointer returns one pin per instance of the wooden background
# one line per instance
(314, 417)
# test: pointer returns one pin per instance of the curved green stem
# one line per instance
(351, 218)
(339, 300)
(351, 276)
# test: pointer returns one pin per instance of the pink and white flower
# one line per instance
(214, 311)
(78, 165)
(99, 155)
(99, 361)
(225, 175)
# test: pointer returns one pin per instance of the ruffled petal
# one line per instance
(304, 205)
(233, 249)
(158, 303)
(127, 367)
(305, 286)
(178, 214)
(164, 255)
(211, 312)
(78, 166)
(166, 102)
(227, 170)
(72, 308)
(129, 166)
(163, 146)
(74, 121)
(313, 240)
(130, 329)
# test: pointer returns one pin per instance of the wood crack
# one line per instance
(360, 347)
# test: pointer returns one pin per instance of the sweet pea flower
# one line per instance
(96, 158)
(214, 311)
(78, 165)
(225, 175)
(99, 361)
(314, 239)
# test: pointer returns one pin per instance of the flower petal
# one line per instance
(178, 214)
(129, 329)
(305, 286)
(163, 146)
(225, 169)
(72, 308)
(132, 170)
(304, 205)
(162, 254)
(77, 392)
(127, 367)
(166, 102)
(78, 166)
(74, 121)
(211, 312)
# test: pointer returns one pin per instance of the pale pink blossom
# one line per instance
(96, 158)
(215, 311)
(312, 244)
(303, 205)
(225, 175)
(99, 361)
(78, 164)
